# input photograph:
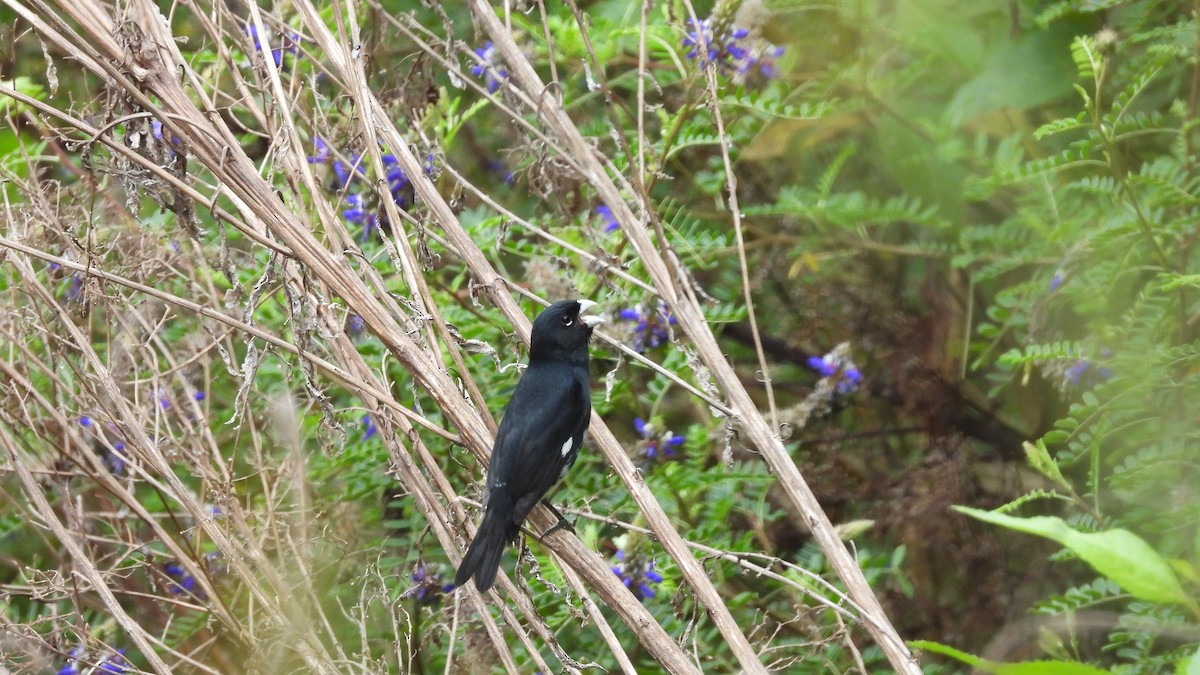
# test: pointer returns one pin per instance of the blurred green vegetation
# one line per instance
(994, 203)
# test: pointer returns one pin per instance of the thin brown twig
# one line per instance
(735, 212)
(325, 366)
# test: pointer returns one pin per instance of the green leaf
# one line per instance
(1139, 84)
(1176, 280)
(1020, 75)
(1060, 125)
(945, 650)
(1118, 554)
(1022, 668)
(1087, 58)
(1056, 436)
(1049, 668)
(1189, 665)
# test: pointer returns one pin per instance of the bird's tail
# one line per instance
(483, 555)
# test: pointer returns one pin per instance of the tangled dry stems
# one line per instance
(132, 50)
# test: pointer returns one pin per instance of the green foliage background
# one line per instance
(995, 203)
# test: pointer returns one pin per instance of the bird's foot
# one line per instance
(562, 524)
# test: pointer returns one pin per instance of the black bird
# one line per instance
(539, 437)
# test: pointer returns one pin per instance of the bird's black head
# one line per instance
(562, 330)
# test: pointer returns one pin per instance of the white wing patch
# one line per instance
(566, 448)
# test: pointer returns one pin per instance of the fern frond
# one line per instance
(1080, 597)
(849, 209)
(1038, 353)
(1137, 85)
(1031, 496)
(1063, 8)
(825, 183)
(1139, 124)
(692, 135)
(1060, 125)
(770, 103)
(1095, 186)
(1087, 58)
(1078, 154)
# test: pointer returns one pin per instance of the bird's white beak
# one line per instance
(590, 321)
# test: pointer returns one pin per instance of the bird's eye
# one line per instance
(567, 321)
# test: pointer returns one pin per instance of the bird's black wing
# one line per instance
(540, 434)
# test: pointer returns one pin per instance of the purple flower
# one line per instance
(720, 49)
(610, 221)
(398, 182)
(760, 62)
(1085, 374)
(58, 272)
(320, 151)
(428, 588)
(71, 666)
(399, 185)
(369, 428)
(651, 328)
(322, 154)
(728, 51)
(637, 573)
(112, 455)
(113, 662)
(357, 214)
(1056, 281)
(430, 165)
(830, 365)
(354, 325)
(291, 44)
(113, 460)
(487, 68)
(199, 395)
(184, 583)
(347, 173)
(657, 446)
(156, 128)
(116, 664)
(74, 292)
(395, 175)
(496, 166)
